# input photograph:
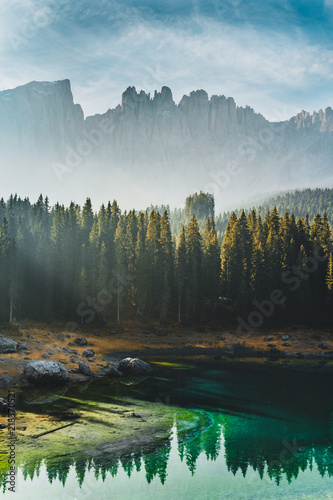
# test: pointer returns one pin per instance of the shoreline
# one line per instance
(111, 344)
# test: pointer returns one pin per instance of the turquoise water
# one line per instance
(260, 433)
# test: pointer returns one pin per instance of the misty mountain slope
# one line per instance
(150, 150)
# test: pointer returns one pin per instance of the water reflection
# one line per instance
(234, 419)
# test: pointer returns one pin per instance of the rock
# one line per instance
(51, 353)
(160, 333)
(23, 346)
(81, 341)
(268, 339)
(45, 355)
(26, 357)
(3, 406)
(222, 337)
(285, 344)
(88, 353)
(45, 373)
(322, 345)
(271, 345)
(60, 336)
(274, 350)
(285, 337)
(134, 366)
(7, 345)
(29, 336)
(84, 369)
(71, 344)
(112, 372)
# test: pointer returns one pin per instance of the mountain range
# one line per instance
(151, 150)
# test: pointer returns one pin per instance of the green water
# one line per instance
(235, 433)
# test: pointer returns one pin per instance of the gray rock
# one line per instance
(45, 355)
(134, 366)
(81, 341)
(84, 369)
(45, 373)
(112, 372)
(23, 346)
(268, 339)
(285, 344)
(322, 345)
(88, 353)
(285, 337)
(7, 345)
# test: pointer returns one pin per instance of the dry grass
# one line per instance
(133, 336)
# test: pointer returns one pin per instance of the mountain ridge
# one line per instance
(148, 148)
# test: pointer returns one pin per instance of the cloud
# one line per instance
(106, 46)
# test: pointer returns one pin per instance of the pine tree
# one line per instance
(194, 256)
(211, 261)
(182, 273)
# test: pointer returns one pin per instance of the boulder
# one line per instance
(84, 369)
(81, 341)
(134, 366)
(88, 353)
(45, 373)
(22, 347)
(285, 337)
(7, 345)
(268, 339)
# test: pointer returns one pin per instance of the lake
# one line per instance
(198, 429)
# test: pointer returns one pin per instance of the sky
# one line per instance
(276, 56)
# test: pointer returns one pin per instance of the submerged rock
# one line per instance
(7, 345)
(112, 372)
(45, 373)
(134, 366)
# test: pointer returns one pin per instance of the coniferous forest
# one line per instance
(71, 264)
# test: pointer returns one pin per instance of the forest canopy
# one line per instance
(71, 264)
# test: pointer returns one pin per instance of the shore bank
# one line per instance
(112, 343)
